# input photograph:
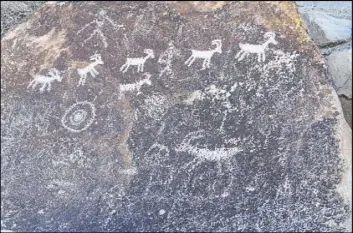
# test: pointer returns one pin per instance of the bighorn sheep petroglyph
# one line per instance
(139, 62)
(96, 60)
(46, 81)
(135, 86)
(258, 49)
(206, 55)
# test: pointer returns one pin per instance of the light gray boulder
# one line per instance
(340, 66)
(328, 22)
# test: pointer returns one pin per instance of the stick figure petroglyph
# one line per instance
(166, 59)
(46, 81)
(258, 49)
(102, 18)
(139, 62)
(206, 55)
(96, 60)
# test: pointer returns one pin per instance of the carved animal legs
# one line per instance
(140, 67)
(187, 167)
(259, 57)
(93, 72)
(124, 67)
(238, 54)
(242, 56)
(49, 86)
(205, 64)
(208, 62)
(82, 79)
(43, 87)
(33, 83)
(190, 60)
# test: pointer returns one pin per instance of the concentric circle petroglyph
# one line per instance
(79, 116)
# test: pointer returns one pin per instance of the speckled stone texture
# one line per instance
(253, 143)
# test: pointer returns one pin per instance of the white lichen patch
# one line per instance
(196, 95)
(129, 171)
(155, 106)
(281, 64)
(161, 212)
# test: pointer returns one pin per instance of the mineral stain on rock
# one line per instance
(242, 145)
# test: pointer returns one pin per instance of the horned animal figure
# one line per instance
(96, 60)
(139, 62)
(206, 55)
(135, 86)
(258, 49)
(46, 81)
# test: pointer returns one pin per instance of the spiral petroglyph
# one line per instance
(79, 116)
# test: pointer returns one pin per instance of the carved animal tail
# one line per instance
(123, 66)
(31, 83)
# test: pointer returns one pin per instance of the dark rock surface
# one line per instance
(241, 145)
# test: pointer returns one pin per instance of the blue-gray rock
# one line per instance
(340, 66)
(170, 116)
(328, 22)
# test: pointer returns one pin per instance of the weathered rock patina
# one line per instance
(241, 145)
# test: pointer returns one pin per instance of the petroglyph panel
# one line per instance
(170, 116)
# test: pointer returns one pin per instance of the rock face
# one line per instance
(327, 21)
(170, 116)
(13, 12)
(330, 26)
(338, 64)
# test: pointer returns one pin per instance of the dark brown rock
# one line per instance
(241, 145)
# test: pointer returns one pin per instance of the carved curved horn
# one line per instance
(53, 71)
(147, 75)
(217, 42)
(96, 57)
(269, 35)
(148, 51)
